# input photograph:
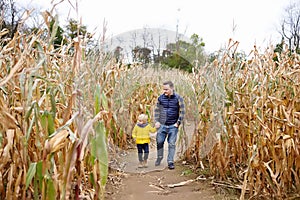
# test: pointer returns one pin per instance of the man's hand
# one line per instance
(157, 125)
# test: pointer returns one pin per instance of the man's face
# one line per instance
(167, 90)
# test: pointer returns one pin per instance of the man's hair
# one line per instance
(170, 83)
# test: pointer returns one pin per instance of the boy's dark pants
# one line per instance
(143, 149)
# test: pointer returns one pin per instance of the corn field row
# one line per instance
(254, 139)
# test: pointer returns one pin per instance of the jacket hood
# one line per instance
(142, 125)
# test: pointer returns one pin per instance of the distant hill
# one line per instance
(153, 38)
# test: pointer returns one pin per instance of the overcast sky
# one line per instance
(248, 21)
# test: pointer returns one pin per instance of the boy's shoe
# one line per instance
(171, 166)
(157, 162)
(141, 165)
(145, 164)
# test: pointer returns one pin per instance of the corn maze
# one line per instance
(62, 115)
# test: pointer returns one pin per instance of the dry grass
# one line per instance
(254, 135)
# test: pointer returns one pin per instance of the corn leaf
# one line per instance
(51, 192)
(30, 174)
(99, 151)
(97, 99)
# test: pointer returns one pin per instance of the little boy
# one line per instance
(141, 134)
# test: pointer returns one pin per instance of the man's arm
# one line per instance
(181, 110)
(157, 114)
(157, 111)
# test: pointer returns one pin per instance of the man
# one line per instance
(168, 114)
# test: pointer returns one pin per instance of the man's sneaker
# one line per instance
(171, 166)
(157, 162)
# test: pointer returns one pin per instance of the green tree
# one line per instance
(141, 54)
(278, 49)
(59, 40)
(185, 55)
(197, 52)
(75, 29)
(118, 56)
(177, 61)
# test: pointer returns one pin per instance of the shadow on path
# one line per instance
(127, 161)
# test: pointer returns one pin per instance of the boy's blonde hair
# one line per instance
(143, 117)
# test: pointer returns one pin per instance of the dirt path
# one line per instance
(128, 182)
(158, 182)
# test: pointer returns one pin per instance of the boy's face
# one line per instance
(141, 122)
(167, 90)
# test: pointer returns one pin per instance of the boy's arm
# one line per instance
(134, 132)
(157, 113)
(152, 129)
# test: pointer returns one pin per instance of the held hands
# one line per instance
(157, 125)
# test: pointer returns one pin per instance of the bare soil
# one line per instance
(164, 184)
(128, 182)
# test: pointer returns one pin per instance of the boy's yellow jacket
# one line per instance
(141, 133)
